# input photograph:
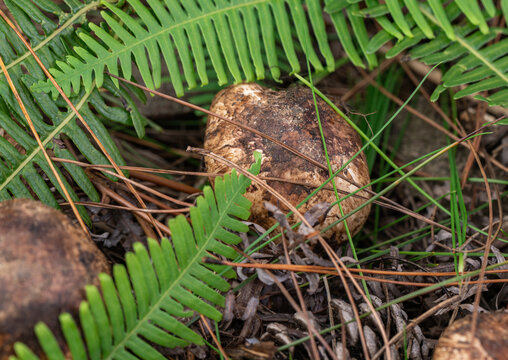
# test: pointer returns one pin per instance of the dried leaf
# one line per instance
(341, 352)
(300, 319)
(279, 332)
(313, 216)
(370, 339)
(313, 258)
(267, 279)
(312, 278)
(399, 316)
(500, 259)
(229, 307)
(346, 311)
(251, 308)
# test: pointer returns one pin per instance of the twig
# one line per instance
(207, 326)
(105, 190)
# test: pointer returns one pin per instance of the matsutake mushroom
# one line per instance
(490, 340)
(289, 116)
(45, 263)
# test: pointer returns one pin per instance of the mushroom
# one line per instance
(490, 341)
(45, 262)
(290, 117)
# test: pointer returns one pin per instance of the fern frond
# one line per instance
(237, 39)
(235, 35)
(22, 167)
(147, 302)
(481, 65)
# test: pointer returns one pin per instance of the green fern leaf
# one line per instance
(236, 40)
(226, 32)
(162, 286)
(22, 166)
(481, 65)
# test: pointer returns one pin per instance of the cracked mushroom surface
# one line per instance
(45, 263)
(290, 117)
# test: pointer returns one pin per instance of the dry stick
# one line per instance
(415, 322)
(41, 146)
(130, 168)
(330, 312)
(175, 185)
(304, 268)
(475, 146)
(428, 120)
(434, 105)
(151, 145)
(149, 189)
(215, 340)
(488, 243)
(79, 116)
(137, 210)
(149, 198)
(107, 191)
(145, 226)
(334, 257)
(261, 134)
(303, 306)
(343, 335)
(329, 270)
(412, 110)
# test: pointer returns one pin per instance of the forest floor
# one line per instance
(259, 320)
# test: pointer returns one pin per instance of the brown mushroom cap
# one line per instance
(290, 117)
(45, 262)
(490, 341)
